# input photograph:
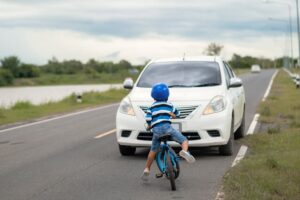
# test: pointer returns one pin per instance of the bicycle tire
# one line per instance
(175, 160)
(160, 160)
(170, 172)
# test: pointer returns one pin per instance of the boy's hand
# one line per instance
(148, 128)
(173, 116)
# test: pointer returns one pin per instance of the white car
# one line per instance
(255, 68)
(210, 98)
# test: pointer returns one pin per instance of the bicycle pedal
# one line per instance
(159, 175)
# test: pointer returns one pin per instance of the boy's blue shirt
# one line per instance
(159, 113)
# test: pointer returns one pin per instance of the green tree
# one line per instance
(93, 66)
(71, 66)
(213, 49)
(11, 63)
(6, 77)
(124, 64)
(53, 66)
(238, 61)
(28, 71)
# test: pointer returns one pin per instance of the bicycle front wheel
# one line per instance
(170, 172)
(160, 162)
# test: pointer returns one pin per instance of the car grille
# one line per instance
(125, 133)
(189, 135)
(184, 110)
(213, 133)
(145, 136)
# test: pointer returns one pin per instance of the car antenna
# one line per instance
(183, 57)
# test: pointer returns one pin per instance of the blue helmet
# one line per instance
(160, 92)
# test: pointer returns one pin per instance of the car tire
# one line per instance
(227, 149)
(126, 150)
(240, 132)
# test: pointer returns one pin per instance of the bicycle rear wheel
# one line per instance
(170, 172)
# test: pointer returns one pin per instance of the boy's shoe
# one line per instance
(187, 156)
(145, 175)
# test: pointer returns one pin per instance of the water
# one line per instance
(43, 94)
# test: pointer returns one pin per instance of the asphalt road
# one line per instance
(61, 159)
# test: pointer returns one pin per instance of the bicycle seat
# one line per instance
(165, 137)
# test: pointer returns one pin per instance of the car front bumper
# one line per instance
(201, 130)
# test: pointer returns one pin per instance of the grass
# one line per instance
(239, 71)
(271, 169)
(295, 70)
(23, 111)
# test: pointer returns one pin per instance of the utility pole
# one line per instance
(291, 29)
(298, 33)
(289, 60)
(291, 32)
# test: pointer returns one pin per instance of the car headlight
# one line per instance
(217, 104)
(126, 107)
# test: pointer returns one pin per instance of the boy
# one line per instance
(158, 118)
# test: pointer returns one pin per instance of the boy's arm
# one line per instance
(148, 117)
(173, 116)
(176, 111)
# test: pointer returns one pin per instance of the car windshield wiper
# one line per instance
(170, 86)
(199, 85)
(205, 84)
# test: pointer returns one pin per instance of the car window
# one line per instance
(231, 71)
(231, 74)
(181, 74)
(227, 74)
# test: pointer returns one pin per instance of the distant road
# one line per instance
(43, 94)
(61, 160)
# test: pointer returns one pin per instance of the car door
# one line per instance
(240, 95)
(234, 92)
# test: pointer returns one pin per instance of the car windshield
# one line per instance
(181, 74)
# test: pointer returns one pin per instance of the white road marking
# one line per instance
(243, 149)
(241, 154)
(221, 194)
(105, 134)
(253, 124)
(56, 118)
(270, 85)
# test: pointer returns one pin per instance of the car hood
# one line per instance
(178, 94)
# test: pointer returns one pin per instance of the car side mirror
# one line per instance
(235, 82)
(128, 83)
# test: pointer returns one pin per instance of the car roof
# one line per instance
(196, 58)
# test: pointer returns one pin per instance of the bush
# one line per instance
(6, 77)
(28, 71)
(12, 64)
(22, 105)
(66, 67)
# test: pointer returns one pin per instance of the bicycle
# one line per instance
(167, 161)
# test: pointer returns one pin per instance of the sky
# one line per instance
(137, 30)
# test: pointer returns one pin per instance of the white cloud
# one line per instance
(37, 46)
(138, 30)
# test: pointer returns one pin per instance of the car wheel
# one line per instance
(240, 132)
(227, 149)
(126, 150)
